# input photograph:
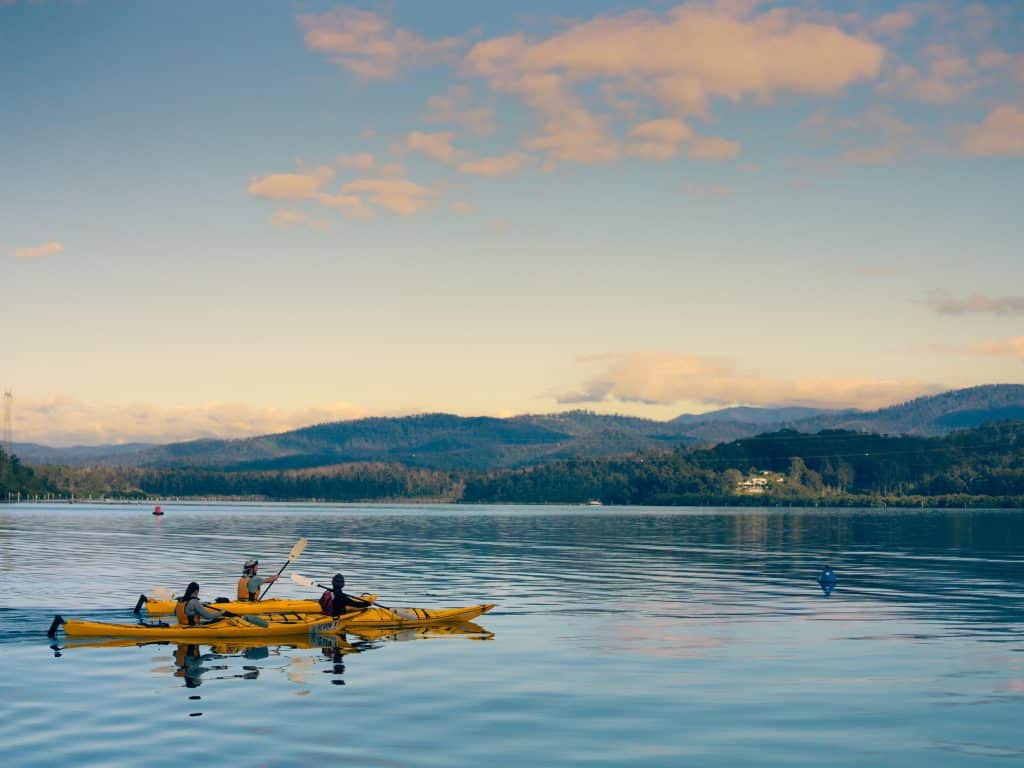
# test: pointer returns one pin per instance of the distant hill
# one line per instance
(447, 442)
(432, 441)
(933, 415)
(742, 414)
(79, 455)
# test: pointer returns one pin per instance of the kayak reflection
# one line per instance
(246, 658)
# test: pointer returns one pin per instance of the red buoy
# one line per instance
(157, 510)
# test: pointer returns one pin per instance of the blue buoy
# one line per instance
(827, 580)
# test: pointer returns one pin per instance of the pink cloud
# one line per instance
(400, 196)
(290, 186)
(455, 106)
(893, 24)
(288, 219)
(500, 165)
(664, 378)
(349, 206)
(658, 139)
(977, 303)
(437, 146)
(683, 59)
(368, 45)
(1000, 133)
(40, 251)
(1013, 347)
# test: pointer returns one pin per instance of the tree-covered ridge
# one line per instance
(17, 480)
(833, 466)
(980, 466)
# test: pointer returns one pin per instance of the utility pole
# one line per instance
(8, 430)
(7, 465)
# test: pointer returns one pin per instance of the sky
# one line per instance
(234, 218)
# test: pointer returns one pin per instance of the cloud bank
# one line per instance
(62, 421)
(659, 378)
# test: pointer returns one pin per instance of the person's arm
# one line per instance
(205, 613)
(356, 602)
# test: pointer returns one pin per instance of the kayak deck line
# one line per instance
(275, 625)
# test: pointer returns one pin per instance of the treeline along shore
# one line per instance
(975, 467)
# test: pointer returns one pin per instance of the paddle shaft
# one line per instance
(286, 564)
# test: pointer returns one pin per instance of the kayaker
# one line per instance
(336, 601)
(250, 584)
(190, 609)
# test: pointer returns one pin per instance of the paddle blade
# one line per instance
(302, 581)
(257, 621)
(298, 549)
(163, 594)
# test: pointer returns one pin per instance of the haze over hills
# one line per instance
(449, 442)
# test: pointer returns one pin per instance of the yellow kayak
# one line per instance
(242, 607)
(378, 617)
(274, 625)
(228, 627)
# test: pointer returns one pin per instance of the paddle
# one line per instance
(165, 594)
(297, 550)
(305, 581)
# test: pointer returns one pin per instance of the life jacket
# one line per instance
(326, 602)
(243, 589)
(183, 618)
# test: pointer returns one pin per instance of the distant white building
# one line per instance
(759, 483)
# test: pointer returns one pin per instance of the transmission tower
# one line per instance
(8, 430)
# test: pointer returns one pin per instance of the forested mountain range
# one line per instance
(448, 442)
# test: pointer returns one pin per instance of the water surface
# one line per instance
(622, 636)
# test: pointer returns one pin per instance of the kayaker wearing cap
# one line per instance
(190, 609)
(250, 584)
(335, 601)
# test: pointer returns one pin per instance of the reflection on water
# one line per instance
(633, 637)
(246, 658)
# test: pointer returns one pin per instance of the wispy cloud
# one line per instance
(400, 196)
(368, 45)
(456, 107)
(1000, 133)
(659, 378)
(437, 146)
(876, 137)
(658, 139)
(285, 218)
(945, 304)
(893, 24)
(1012, 347)
(290, 186)
(349, 206)
(498, 165)
(51, 248)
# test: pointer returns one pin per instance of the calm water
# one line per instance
(632, 637)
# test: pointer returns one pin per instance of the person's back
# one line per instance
(335, 601)
(189, 610)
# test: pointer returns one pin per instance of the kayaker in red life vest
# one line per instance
(250, 584)
(336, 601)
(190, 609)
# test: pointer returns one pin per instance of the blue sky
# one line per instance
(235, 218)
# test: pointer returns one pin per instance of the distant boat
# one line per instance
(594, 503)
(158, 510)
